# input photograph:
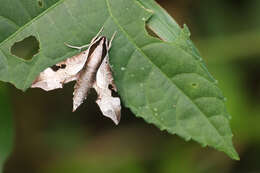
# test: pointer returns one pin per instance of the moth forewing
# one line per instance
(63, 72)
(109, 105)
(87, 76)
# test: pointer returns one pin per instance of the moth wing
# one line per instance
(64, 72)
(110, 106)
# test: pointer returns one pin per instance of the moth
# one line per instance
(90, 69)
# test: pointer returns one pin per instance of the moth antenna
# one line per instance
(87, 45)
(99, 32)
(112, 38)
(77, 47)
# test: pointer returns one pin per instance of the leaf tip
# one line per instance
(233, 154)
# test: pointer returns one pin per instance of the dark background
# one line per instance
(51, 139)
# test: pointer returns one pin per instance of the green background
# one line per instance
(49, 138)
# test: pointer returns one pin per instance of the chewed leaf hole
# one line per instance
(26, 48)
(151, 32)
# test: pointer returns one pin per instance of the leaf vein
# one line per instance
(122, 29)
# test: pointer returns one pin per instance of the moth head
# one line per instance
(105, 43)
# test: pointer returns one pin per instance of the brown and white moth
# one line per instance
(90, 69)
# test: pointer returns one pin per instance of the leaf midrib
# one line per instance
(121, 28)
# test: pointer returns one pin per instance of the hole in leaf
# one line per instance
(26, 48)
(151, 32)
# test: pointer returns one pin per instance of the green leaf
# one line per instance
(15, 14)
(163, 82)
(6, 127)
(162, 24)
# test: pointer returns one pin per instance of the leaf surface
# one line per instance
(163, 82)
(15, 14)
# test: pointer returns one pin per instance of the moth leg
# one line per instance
(77, 47)
(112, 38)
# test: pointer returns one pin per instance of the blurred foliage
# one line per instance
(49, 138)
(6, 124)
